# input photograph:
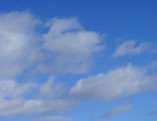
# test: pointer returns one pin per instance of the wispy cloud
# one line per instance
(129, 47)
(153, 113)
(115, 111)
(154, 64)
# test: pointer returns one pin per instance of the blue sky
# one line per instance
(78, 60)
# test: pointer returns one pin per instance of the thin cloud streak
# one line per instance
(115, 111)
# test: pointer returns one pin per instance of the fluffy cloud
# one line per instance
(129, 47)
(11, 89)
(119, 82)
(65, 47)
(52, 90)
(70, 45)
(18, 99)
(26, 107)
(17, 37)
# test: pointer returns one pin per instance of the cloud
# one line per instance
(113, 112)
(53, 118)
(120, 82)
(154, 64)
(27, 107)
(153, 113)
(11, 89)
(52, 90)
(19, 99)
(64, 47)
(116, 111)
(129, 47)
(71, 46)
(17, 38)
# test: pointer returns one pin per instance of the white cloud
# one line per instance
(53, 118)
(71, 46)
(18, 99)
(33, 106)
(17, 38)
(129, 47)
(65, 47)
(116, 111)
(51, 89)
(154, 64)
(120, 82)
(12, 89)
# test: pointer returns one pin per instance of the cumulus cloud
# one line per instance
(11, 89)
(18, 99)
(32, 106)
(129, 47)
(17, 38)
(64, 47)
(51, 89)
(70, 45)
(19, 48)
(119, 82)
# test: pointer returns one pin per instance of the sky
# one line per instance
(78, 60)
